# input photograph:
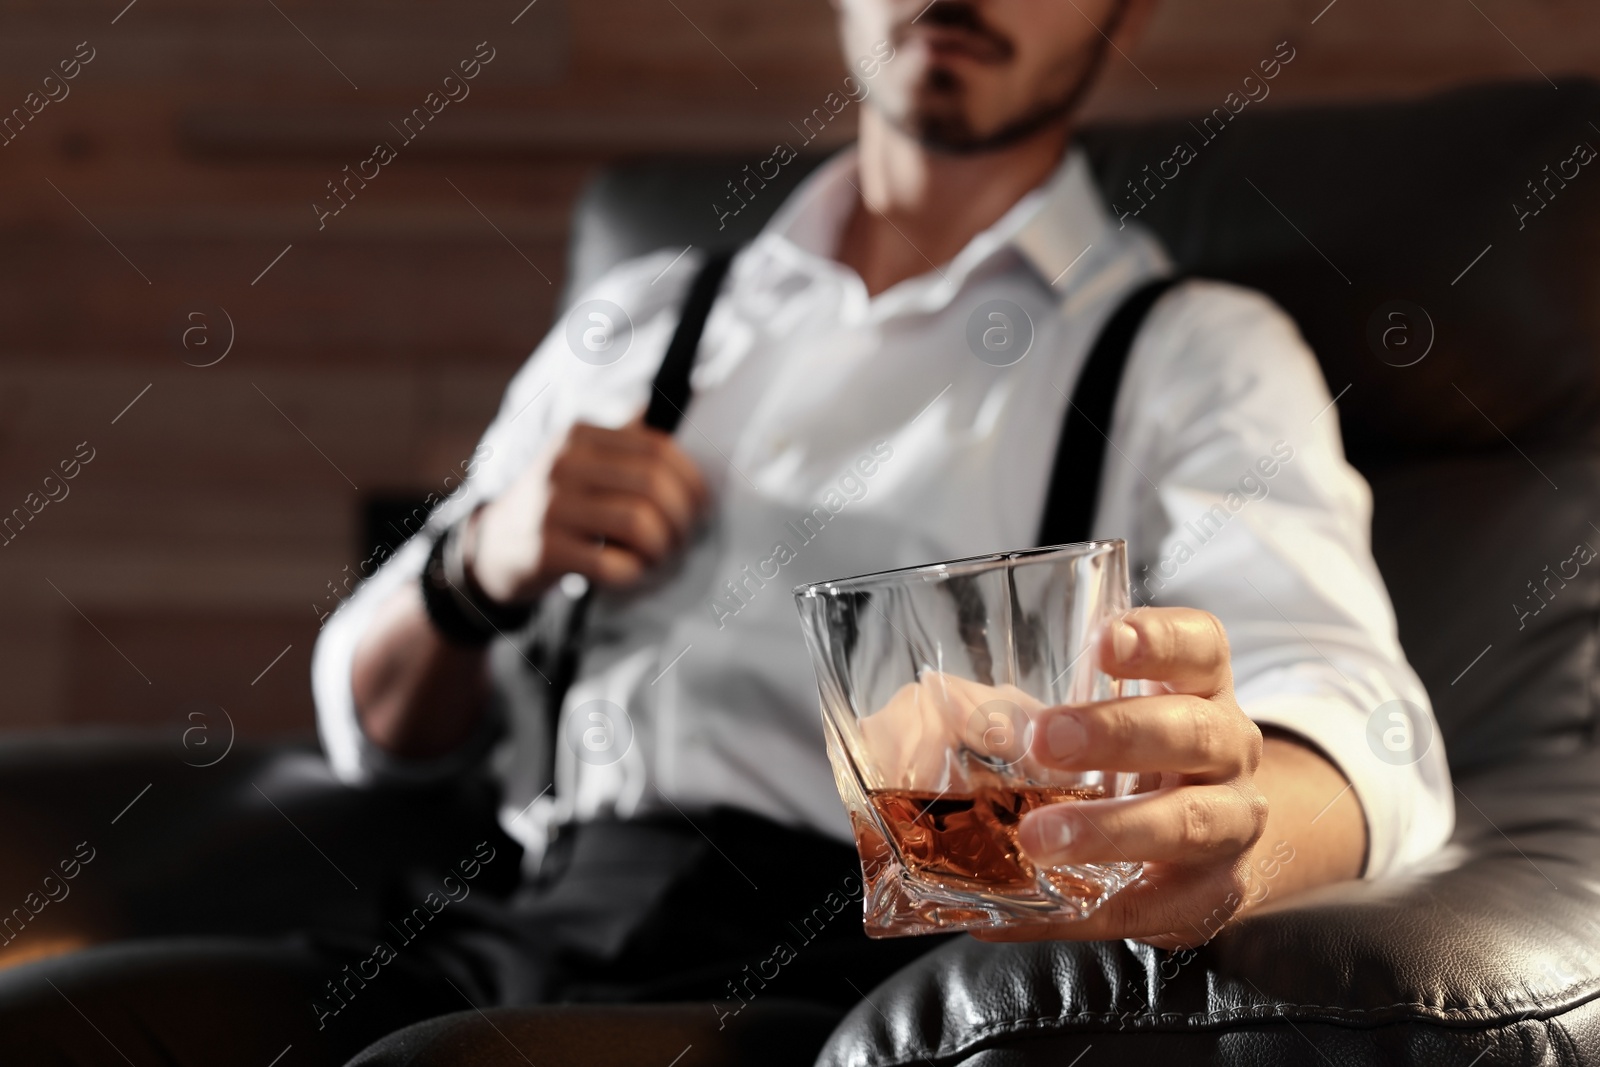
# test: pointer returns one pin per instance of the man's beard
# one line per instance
(950, 130)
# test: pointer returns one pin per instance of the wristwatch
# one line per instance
(457, 606)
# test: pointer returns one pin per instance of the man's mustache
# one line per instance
(985, 43)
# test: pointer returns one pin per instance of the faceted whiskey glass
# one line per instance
(932, 681)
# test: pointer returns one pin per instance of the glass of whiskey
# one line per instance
(932, 679)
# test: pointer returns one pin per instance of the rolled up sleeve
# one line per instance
(1231, 484)
(517, 438)
(354, 758)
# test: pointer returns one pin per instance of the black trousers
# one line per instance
(725, 910)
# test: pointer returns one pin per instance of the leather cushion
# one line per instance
(776, 1034)
(1499, 613)
(1336, 211)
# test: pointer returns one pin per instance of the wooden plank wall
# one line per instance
(169, 188)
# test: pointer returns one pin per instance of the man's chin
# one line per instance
(951, 131)
(940, 115)
(952, 139)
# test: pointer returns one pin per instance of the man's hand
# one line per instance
(1195, 834)
(616, 503)
(613, 504)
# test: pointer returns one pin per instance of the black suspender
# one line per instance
(669, 395)
(671, 392)
(1069, 503)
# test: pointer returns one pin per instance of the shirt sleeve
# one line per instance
(555, 388)
(1228, 479)
(499, 457)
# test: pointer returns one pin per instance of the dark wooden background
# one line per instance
(200, 541)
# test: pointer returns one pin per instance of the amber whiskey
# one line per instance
(969, 838)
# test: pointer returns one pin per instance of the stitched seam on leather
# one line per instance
(1426, 1013)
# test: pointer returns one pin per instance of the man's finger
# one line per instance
(606, 565)
(1189, 824)
(641, 441)
(1171, 732)
(615, 518)
(1183, 647)
(635, 475)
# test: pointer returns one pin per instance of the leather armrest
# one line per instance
(1493, 945)
(259, 842)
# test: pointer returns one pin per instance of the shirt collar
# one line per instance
(1060, 228)
(1064, 226)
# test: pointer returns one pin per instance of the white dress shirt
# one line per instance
(801, 374)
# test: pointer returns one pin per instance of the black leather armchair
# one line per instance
(1484, 458)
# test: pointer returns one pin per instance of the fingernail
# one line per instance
(1065, 736)
(1047, 835)
(1125, 642)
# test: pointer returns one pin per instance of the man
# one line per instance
(689, 758)
(844, 325)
